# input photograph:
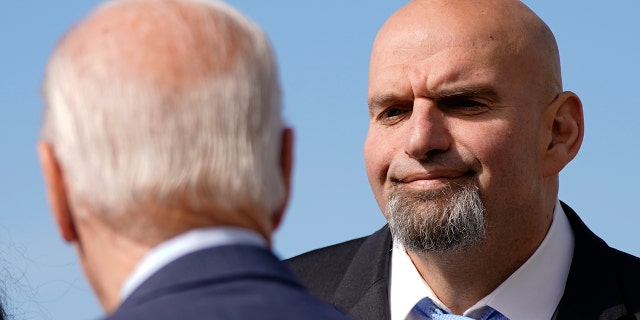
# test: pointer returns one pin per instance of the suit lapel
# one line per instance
(364, 289)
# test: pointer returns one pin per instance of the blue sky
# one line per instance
(323, 52)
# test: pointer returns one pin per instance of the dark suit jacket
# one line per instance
(603, 283)
(229, 283)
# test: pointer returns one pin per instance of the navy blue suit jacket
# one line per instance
(603, 283)
(235, 282)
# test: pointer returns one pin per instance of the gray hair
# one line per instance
(122, 143)
(451, 219)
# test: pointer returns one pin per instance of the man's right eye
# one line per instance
(390, 113)
(393, 115)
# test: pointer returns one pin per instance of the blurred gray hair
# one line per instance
(122, 143)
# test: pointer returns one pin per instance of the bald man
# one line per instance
(167, 163)
(469, 130)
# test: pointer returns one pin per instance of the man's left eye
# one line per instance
(469, 104)
(464, 106)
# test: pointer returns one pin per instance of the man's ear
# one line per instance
(286, 166)
(565, 120)
(56, 192)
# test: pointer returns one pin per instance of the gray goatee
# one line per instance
(448, 219)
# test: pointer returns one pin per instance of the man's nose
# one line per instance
(428, 133)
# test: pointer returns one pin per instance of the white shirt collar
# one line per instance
(183, 244)
(531, 292)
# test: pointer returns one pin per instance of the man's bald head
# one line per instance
(507, 26)
(468, 122)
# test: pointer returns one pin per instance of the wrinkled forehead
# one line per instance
(164, 43)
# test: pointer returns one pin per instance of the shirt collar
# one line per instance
(531, 292)
(183, 244)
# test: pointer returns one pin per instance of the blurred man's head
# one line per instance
(161, 117)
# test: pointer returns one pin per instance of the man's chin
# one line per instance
(442, 219)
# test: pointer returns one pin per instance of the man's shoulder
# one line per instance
(628, 273)
(227, 282)
(325, 263)
(628, 262)
(334, 258)
(339, 250)
(605, 276)
(322, 270)
(590, 247)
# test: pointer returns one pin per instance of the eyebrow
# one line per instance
(486, 92)
(383, 99)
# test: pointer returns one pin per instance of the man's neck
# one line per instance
(460, 278)
(107, 259)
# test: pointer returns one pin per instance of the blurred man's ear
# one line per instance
(286, 166)
(566, 122)
(56, 192)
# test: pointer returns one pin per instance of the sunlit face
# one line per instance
(451, 108)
